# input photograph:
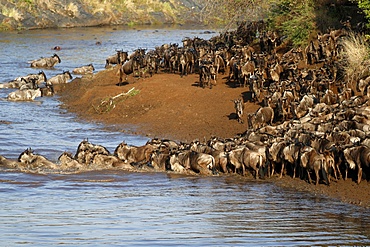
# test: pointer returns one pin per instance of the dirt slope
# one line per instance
(166, 105)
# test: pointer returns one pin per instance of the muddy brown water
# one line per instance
(146, 209)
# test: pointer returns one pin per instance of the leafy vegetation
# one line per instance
(296, 19)
(364, 5)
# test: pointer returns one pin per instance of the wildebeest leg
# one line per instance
(336, 167)
(282, 169)
(294, 169)
(346, 172)
(309, 176)
(317, 176)
(335, 172)
(257, 173)
(272, 169)
(120, 75)
(359, 175)
(326, 176)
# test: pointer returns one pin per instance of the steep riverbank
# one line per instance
(51, 14)
(168, 106)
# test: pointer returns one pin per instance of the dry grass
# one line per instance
(356, 57)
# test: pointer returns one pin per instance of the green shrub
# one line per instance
(295, 19)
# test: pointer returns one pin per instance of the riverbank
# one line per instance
(168, 106)
(31, 14)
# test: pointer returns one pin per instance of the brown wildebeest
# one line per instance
(119, 58)
(239, 109)
(312, 160)
(160, 161)
(134, 154)
(253, 160)
(207, 75)
(35, 161)
(86, 152)
(234, 157)
(276, 155)
(190, 160)
(186, 62)
(46, 62)
(10, 163)
(67, 162)
(35, 79)
(220, 160)
(219, 64)
(242, 158)
(247, 70)
(24, 95)
(83, 70)
(357, 156)
(291, 155)
(263, 116)
(60, 78)
(128, 68)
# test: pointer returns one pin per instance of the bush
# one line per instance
(355, 55)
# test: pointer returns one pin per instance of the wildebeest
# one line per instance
(236, 160)
(305, 104)
(119, 58)
(134, 154)
(48, 90)
(128, 68)
(18, 82)
(312, 160)
(68, 163)
(87, 150)
(357, 156)
(190, 160)
(24, 95)
(35, 161)
(186, 62)
(221, 160)
(106, 161)
(275, 155)
(160, 161)
(10, 163)
(86, 69)
(60, 78)
(219, 64)
(247, 70)
(207, 75)
(30, 84)
(239, 109)
(291, 156)
(263, 116)
(46, 62)
(242, 158)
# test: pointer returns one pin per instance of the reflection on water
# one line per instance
(122, 208)
(148, 209)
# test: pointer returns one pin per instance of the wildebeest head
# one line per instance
(42, 76)
(67, 74)
(56, 56)
(27, 156)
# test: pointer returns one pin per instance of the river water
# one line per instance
(137, 209)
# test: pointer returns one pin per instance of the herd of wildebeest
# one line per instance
(312, 119)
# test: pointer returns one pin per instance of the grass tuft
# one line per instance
(355, 54)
